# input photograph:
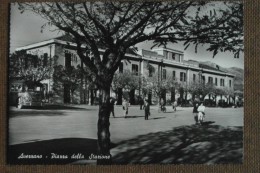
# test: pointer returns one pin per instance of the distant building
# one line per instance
(165, 61)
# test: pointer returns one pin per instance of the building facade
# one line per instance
(165, 62)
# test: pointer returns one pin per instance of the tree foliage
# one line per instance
(70, 77)
(159, 85)
(125, 80)
(117, 26)
(221, 29)
(29, 67)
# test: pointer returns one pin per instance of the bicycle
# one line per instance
(162, 109)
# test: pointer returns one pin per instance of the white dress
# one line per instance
(201, 110)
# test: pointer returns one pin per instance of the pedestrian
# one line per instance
(125, 106)
(111, 104)
(174, 105)
(146, 109)
(141, 102)
(195, 112)
(201, 113)
(162, 104)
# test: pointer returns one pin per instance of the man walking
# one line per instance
(112, 103)
(174, 105)
(195, 112)
(146, 110)
(125, 106)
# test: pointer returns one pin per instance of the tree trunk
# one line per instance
(119, 96)
(173, 95)
(150, 97)
(186, 97)
(193, 96)
(103, 128)
(132, 97)
(91, 97)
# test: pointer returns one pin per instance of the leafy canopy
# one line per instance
(118, 26)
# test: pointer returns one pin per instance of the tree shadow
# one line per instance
(49, 110)
(206, 123)
(61, 107)
(134, 116)
(80, 147)
(193, 144)
(170, 112)
(156, 118)
(34, 113)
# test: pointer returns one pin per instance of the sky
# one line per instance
(25, 29)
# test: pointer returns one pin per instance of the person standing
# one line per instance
(125, 106)
(162, 104)
(146, 109)
(195, 112)
(141, 102)
(201, 113)
(112, 103)
(174, 105)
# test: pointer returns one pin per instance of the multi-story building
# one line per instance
(165, 61)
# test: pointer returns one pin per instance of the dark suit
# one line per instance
(146, 110)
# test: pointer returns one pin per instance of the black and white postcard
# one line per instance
(112, 83)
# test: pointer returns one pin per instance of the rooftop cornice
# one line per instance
(57, 41)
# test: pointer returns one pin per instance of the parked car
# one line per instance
(29, 98)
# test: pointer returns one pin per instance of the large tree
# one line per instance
(117, 26)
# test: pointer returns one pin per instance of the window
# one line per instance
(150, 73)
(230, 83)
(194, 77)
(216, 81)
(151, 69)
(25, 62)
(121, 67)
(173, 56)
(35, 61)
(210, 80)
(222, 82)
(203, 79)
(173, 75)
(135, 69)
(45, 59)
(74, 58)
(183, 76)
(67, 60)
(164, 74)
(168, 55)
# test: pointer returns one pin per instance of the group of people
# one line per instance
(126, 105)
(198, 109)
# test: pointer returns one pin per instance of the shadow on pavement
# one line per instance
(211, 144)
(61, 107)
(65, 147)
(34, 113)
(156, 118)
(170, 111)
(50, 110)
(205, 123)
